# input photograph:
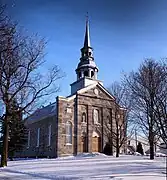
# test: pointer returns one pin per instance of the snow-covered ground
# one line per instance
(85, 167)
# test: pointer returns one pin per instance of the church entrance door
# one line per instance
(84, 144)
(96, 144)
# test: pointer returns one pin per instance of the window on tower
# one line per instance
(92, 74)
(86, 53)
(79, 74)
(85, 73)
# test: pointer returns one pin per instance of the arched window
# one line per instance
(85, 73)
(96, 116)
(49, 134)
(29, 138)
(108, 119)
(68, 132)
(83, 117)
(92, 74)
(79, 74)
(86, 53)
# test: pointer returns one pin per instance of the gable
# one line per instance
(97, 91)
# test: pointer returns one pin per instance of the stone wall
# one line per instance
(65, 113)
(71, 110)
(88, 101)
(43, 150)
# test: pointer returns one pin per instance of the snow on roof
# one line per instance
(43, 112)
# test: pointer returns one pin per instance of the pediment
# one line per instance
(96, 91)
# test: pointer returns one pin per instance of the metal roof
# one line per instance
(43, 112)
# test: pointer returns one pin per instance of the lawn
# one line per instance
(85, 167)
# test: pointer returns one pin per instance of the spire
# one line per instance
(87, 67)
(87, 37)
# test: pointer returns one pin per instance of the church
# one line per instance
(74, 124)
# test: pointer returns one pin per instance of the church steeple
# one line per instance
(86, 70)
(87, 37)
(87, 67)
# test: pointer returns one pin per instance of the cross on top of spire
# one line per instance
(87, 17)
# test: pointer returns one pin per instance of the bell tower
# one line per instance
(87, 66)
(86, 70)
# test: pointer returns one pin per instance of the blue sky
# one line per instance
(123, 33)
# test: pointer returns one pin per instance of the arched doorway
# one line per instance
(96, 142)
(84, 142)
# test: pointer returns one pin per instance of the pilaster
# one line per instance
(90, 130)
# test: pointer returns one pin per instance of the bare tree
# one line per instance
(116, 125)
(21, 78)
(148, 86)
(160, 103)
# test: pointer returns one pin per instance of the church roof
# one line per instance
(43, 112)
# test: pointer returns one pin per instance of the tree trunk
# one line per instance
(151, 141)
(111, 148)
(117, 152)
(151, 132)
(5, 143)
(151, 149)
(117, 147)
(111, 133)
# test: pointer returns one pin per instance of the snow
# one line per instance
(160, 155)
(86, 166)
(137, 154)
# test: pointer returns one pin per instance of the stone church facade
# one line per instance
(74, 124)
